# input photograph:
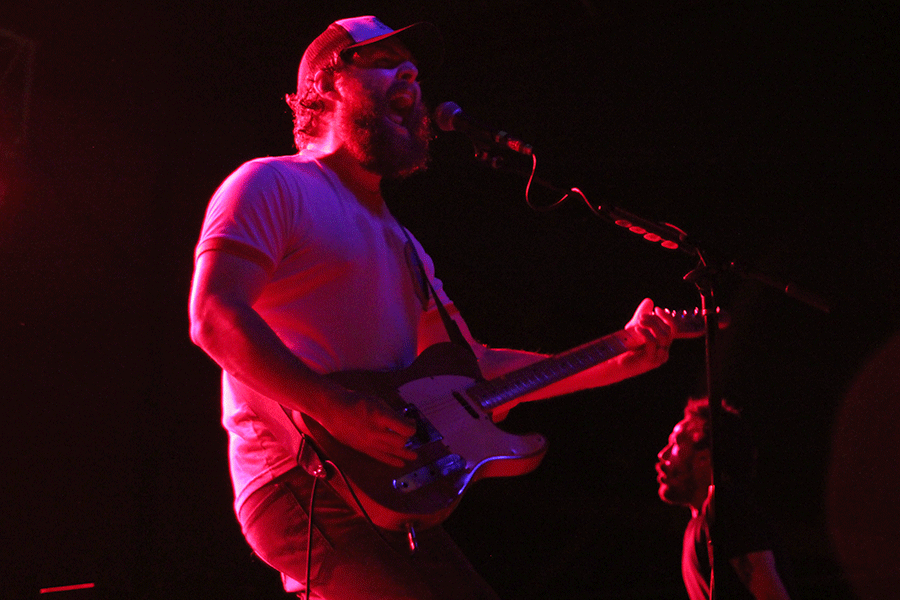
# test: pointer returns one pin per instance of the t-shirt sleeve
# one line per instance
(251, 216)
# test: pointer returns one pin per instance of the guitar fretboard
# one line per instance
(496, 392)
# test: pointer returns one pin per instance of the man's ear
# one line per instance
(703, 458)
(324, 84)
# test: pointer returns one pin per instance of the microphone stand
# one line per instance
(704, 277)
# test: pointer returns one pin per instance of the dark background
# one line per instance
(765, 131)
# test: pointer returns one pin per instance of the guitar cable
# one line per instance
(312, 500)
(455, 335)
(312, 496)
(309, 529)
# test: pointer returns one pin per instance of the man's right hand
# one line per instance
(366, 423)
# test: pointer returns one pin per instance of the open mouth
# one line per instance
(660, 474)
(400, 107)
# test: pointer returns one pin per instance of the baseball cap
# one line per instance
(422, 39)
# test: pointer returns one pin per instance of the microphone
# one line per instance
(450, 117)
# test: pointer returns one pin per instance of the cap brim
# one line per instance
(423, 39)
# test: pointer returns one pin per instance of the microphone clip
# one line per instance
(516, 145)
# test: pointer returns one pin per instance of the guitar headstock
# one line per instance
(691, 323)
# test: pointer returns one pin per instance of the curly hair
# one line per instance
(734, 445)
(307, 105)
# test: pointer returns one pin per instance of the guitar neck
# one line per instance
(497, 392)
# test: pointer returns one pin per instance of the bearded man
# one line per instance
(301, 271)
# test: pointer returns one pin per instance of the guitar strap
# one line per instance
(418, 267)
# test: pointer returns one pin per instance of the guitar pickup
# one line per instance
(425, 431)
(443, 467)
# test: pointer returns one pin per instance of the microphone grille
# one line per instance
(444, 114)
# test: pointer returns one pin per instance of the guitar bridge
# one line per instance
(425, 431)
(423, 476)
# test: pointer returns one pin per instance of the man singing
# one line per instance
(302, 271)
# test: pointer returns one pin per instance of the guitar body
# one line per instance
(457, 442)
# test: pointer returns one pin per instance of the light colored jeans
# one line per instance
(350, 558)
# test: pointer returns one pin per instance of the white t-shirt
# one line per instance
(342, 294)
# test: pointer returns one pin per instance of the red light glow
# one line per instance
(67, 588)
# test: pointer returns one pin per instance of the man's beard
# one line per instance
(375, 142)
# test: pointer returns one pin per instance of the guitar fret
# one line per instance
(491, 394)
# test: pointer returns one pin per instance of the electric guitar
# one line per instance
(456, 440)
